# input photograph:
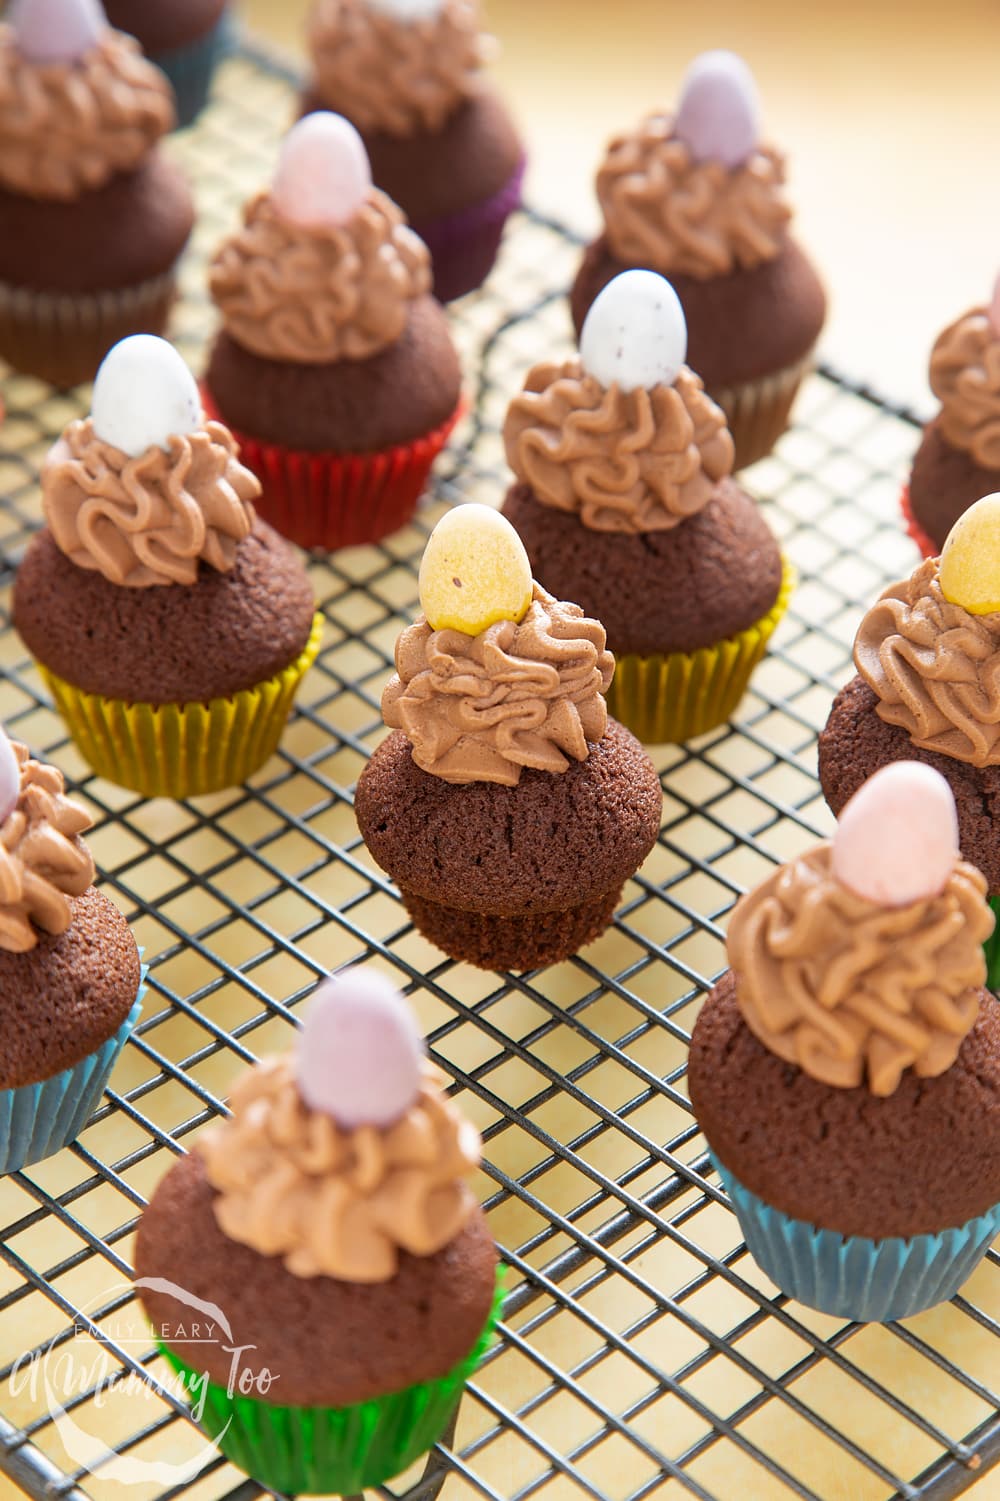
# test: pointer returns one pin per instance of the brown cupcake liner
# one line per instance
(529, 941)
(758, 411)
(63, 337)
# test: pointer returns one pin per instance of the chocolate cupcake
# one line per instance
(70, 978)
(335, 367)
(94, 217)
(409, 74)
(330, 1226)
(846, 1070)
(698, 198)
(506, 805)
(928, 688)
(171, 625)
(184, 38)
(958, 460)
(625, 503)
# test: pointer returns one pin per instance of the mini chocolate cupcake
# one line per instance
(335, 367)
(846, 1070)
(329, 1228)
(184, 38)
(928, 688)
(94, 216)
(171, 625)
(409, 74)
(958, 460)
(625, 504)
(697, 197)
(506, 805)
(70, 978)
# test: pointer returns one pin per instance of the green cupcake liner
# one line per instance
(672, 696)
(991, 948)
(334, 1450)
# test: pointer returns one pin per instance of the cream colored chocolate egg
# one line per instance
(474, 572)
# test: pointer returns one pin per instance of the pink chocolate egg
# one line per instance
(897, 839)
(359, 1054)
(323, 176)
(10, 779)
(56, 31)
(718, 117)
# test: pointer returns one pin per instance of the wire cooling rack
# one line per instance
(642, 1354)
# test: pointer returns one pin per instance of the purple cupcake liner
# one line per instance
(464, 245)
(38, 1120)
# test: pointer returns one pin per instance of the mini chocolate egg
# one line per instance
(474, 571)
(718, 117)
(10, 778)
(970, 559)
(360, 1054)
(408, 10)
(143, 396)
(56, 31)
(323, 176)
(897, 839)
(635, 334)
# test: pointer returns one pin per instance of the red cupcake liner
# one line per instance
(928, 548)
(331, 500)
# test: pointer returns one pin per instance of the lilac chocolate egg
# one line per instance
(56, 31)
(360, 1054)
(718, 117)
(10, 779)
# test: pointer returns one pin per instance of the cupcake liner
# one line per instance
(757, 411)
(182, 750)
(871, 1281)
(464, 245)
(334, 1450)
(928, 548)
(530, 941)
(190, 70)
(332, 500)
(63, 337)
(991, 948)
(38, 1120)
(674, 696)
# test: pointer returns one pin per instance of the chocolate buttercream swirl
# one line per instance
(67, 128)
(678, 216)
(624, 461)
(313, 296)
(393, 76)
(333, 1202)
(152, 519)
(935, 668)
(854, 993)
(482, 708)
(965, 377)
(43, 860)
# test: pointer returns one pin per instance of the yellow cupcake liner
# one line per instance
(182, 750)
(677, 695)
(759, 411)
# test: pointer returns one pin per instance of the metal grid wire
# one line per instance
(641, 1353)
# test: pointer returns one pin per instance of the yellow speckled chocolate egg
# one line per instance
(474, 572)
(970, 560)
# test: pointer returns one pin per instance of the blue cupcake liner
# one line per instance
(871, 1281)
(38, 1120)
(190, 69)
